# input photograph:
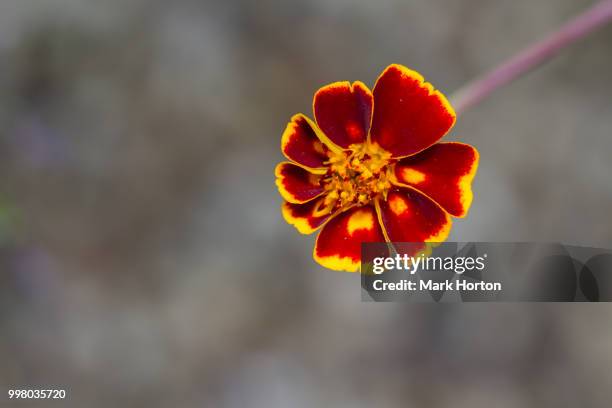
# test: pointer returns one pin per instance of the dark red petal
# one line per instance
(343, 112)
(338, 245)
(301, 144)
(409, 115)
(296, 184)
(409, 216)
(444, 172)
(307, 217)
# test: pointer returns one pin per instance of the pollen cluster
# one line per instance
(356, 177)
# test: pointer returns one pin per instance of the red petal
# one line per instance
(296, 184)
(307, 218)
(444, 172)
(343, 112)
(409, 115)
(338, 245)
(409, 216)
(301, 144)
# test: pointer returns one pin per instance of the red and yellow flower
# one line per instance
(372, 169)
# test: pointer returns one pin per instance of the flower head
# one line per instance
(371, 168)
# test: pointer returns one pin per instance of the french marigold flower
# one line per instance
(370, 168)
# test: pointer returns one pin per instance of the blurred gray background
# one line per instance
(144, 261)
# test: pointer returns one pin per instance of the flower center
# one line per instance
(356, 177)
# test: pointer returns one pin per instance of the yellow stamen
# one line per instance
(357, 176)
